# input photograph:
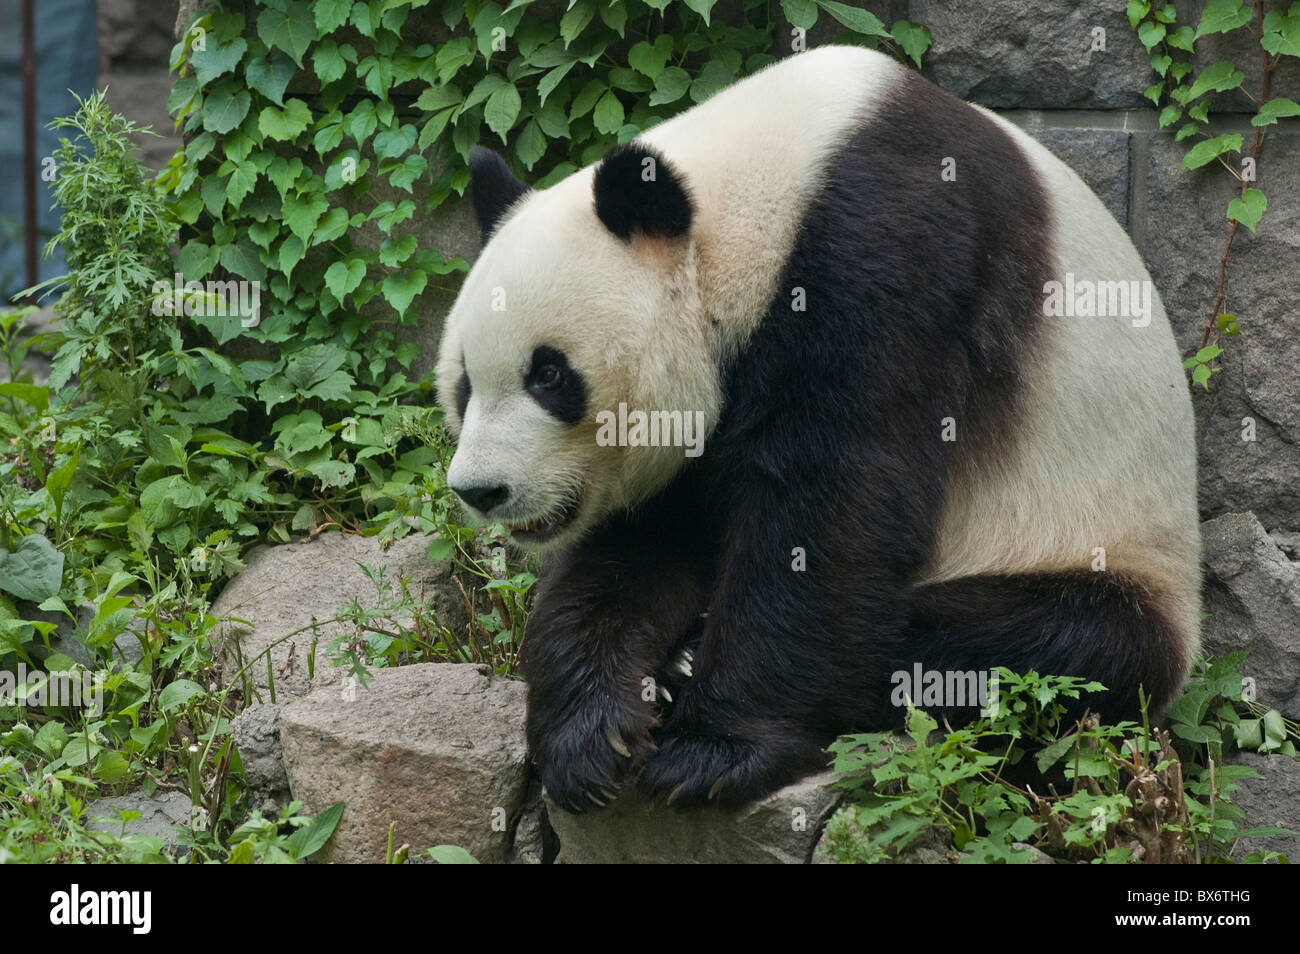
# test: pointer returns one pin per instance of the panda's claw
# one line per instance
(675, 793)
(717, 787)
(663, 691)
(617, 744)
(683, 666)
(609, 796)
(596, 801)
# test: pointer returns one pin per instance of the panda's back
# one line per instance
(1092, 459)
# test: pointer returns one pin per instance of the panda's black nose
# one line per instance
(483, 497)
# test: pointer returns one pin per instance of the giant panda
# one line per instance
(915, 445)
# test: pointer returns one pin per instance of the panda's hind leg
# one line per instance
(1104, 626)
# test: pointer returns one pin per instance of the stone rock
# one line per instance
(257, 736)
(1252, 596)
(161, 815)
(1100, 157)
(529, 846)
(285, 588)
(1002, 55)
(69, 638)
(142, 98)
(781, 829)
(436, 748)
(136, 32)
(1270, 800)
(1257, 392)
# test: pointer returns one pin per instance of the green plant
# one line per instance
(1126, 801)
(1187, 102)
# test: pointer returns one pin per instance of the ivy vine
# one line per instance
(1171, 46)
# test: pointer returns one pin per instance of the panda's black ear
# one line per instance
(638, 190)
(493, 186)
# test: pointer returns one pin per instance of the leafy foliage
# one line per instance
(1187, 100)
(1127, 800)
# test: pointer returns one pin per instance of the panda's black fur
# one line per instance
(828, 442)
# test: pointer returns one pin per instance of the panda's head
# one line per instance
(584, 298)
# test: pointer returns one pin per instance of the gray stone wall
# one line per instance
(135, 41)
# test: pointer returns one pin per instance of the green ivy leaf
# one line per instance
(270, 76)
(283, 173)
(670, 86)
(1208, 353)
(341, 278)
(394, 142)
(1220, 16)
(857, 20)
(552, 79)
(284, 124)
(1218, 77)
(292, 250)
(1282, 33)
(1248, 208)
(243, 179)
(263, 232)
(702, 7)
(217, 60)
(225, 108)
(402, 175)
(608, 114)
(1161, 64)
(1181, 39)
(614, 16)
(393, 252)
(531, 145)
(1151, 33)
(1276, 108)
(292, 28)
(197, 260)
(331, 14)
(332, 226)
(1136, 10)
(1169, 115)
(650, 59)
(400, 290)
(575, 19)
(800, 13)
(1187, 129)
(912, 39)
(301, 213)
(1210, 149)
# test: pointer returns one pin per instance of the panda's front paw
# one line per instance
(693, 768)
(585, 761)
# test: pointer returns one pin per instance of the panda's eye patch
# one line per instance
(556, 386)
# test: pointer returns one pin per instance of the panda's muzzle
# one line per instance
(543, 528)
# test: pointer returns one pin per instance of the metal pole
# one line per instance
(30, 164)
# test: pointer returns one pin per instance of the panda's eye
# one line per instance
(549, 377)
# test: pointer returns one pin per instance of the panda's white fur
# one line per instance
(1105, 456)
(1093, 469)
